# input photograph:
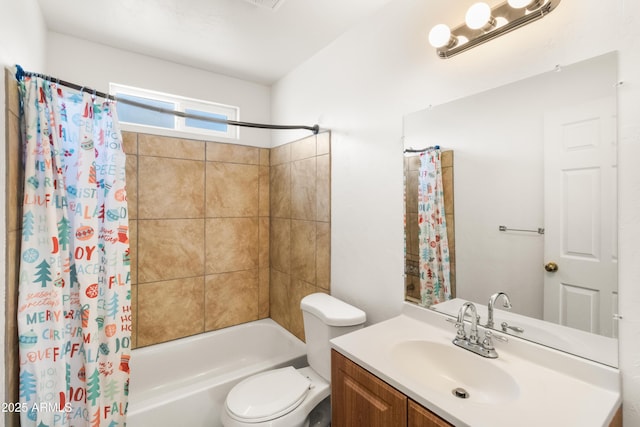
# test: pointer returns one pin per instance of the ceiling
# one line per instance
(232, 37)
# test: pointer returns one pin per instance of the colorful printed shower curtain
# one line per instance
(74, 313)
(435, 284)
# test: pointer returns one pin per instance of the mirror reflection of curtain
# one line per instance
(435, 281)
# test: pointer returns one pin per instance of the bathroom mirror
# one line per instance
(534, 183)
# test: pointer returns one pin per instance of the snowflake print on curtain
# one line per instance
(74, 312)
(435, 284)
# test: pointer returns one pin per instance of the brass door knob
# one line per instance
(551, 267)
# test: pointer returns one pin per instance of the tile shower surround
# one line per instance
(300, 226)
(220, 234)
(201, 232)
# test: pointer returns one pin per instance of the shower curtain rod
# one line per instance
(412, 150)
(20, 73)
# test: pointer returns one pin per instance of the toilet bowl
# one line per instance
(289, 397)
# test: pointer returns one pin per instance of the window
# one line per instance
(143, 117)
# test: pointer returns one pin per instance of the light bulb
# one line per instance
(440, 36)
(519, 4)
(479, 16)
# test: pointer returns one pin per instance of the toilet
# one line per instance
(289, 397)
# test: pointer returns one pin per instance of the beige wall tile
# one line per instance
(306, 189)
(14, 239)
(15, 174)
(163, 146)
(280, 191)
(170, 249)
(264, 202)
(12, 95)
(170, 188)
(447, 185)
(265, 154)
(414, 163)
(231, 299)
(131, 171)
(133, 250)
(280, 247)
(323, 188)
(323, 255)
(231, 190)
(232, 153)
(130, 142)
(280, 155)
(412, 192)
(264, 229)
(303, 250)
(232, 244)
(298, 289)
(170, 310)
(446, 159)
(412, 233)
(303, 189)
(279, 298)
(134, 316)
(263, 293)
(323, 143)
(304, 148)
(12, 361)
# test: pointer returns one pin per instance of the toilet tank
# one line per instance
(326, 317)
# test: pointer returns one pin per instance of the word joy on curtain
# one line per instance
(74, 312)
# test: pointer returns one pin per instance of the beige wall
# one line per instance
(13, 196)
(199, 222)
(300, 226)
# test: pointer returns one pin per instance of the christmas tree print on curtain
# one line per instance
(74, 313)
(435, 282)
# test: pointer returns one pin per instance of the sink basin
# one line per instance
(445, 367)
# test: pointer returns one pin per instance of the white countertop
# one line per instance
(553, 388)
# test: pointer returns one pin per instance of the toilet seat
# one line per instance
(267, 395)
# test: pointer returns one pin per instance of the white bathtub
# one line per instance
(184, 382)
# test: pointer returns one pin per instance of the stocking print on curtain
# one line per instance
(435, 284)
(74, 313)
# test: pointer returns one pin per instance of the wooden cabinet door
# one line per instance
(419, 416)
(360, 399)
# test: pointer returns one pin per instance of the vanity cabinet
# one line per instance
(359, 398)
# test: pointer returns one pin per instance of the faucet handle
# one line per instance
(505, 326)
(487, 342)
(460, 333)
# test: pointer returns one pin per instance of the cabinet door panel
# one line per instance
(419, 416)
(360, 399)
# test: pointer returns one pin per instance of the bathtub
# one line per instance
(185, 382)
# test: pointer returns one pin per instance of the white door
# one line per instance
(581, 216)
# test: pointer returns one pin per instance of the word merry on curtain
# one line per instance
(74, 313)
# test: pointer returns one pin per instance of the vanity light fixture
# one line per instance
(483, 23)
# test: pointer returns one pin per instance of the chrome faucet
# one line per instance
(471, 343)
(492, 303)
(473, 334)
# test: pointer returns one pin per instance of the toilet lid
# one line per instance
(268, 395)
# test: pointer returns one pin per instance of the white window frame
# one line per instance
(181, 104)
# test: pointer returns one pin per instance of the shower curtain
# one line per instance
(74, 313)
(435, 284)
